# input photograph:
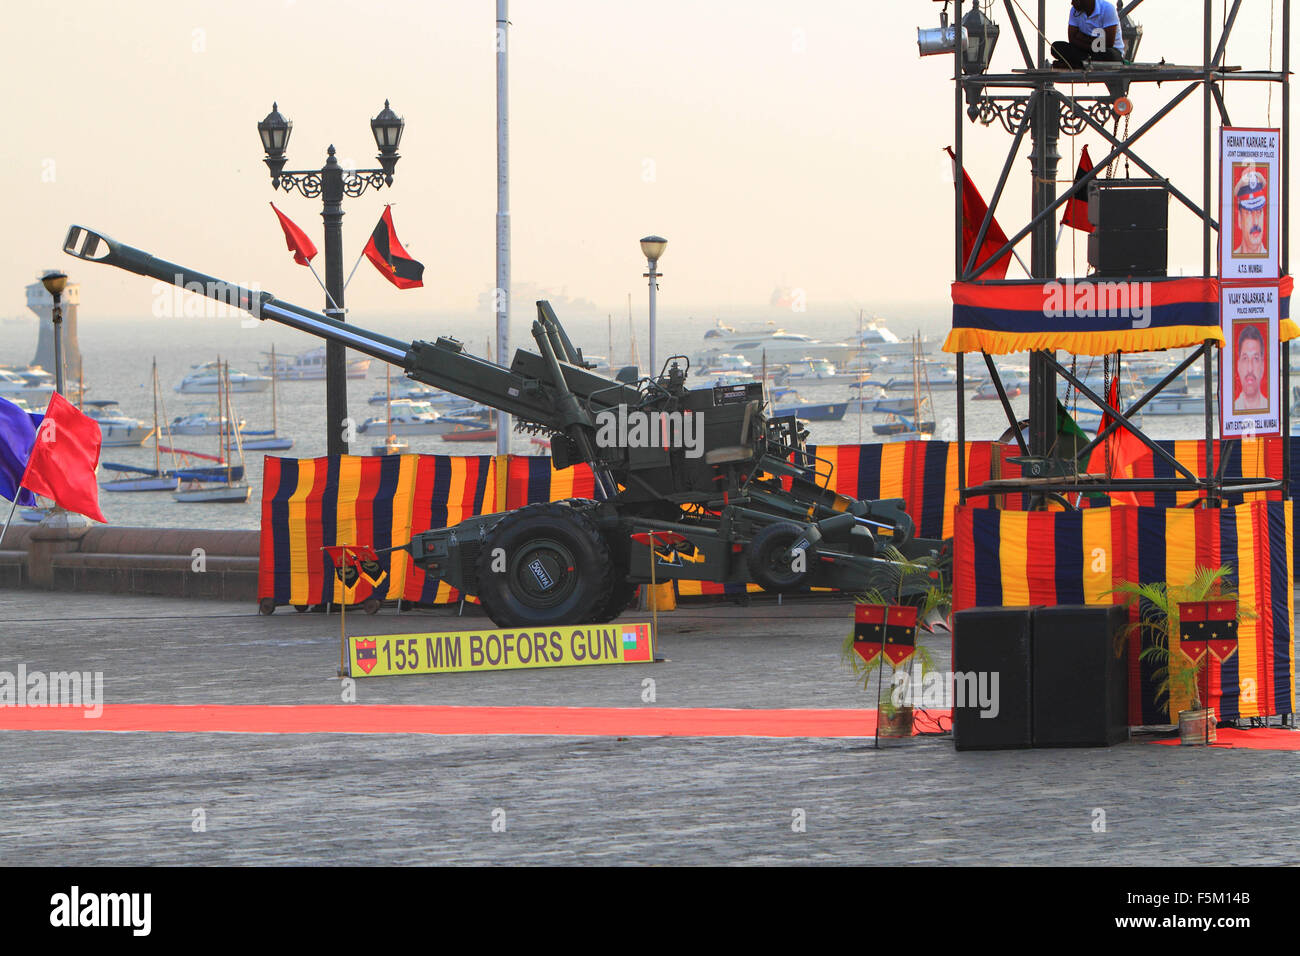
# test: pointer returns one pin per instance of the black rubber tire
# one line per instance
(621, 595)
(764, 567)
(266, 606)
(300, 608)
(371, 605)
(550, 541)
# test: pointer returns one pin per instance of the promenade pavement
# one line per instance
(130, 798)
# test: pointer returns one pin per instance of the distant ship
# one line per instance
(310, 366)
(203, 381)
(877, 340)
(772, 345)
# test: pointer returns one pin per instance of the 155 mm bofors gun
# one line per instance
(697, 480)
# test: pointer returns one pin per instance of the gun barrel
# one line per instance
(92, 246)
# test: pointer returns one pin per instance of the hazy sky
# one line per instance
(773, 143)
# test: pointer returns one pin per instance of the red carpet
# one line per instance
(371, 719)
(1261, 738)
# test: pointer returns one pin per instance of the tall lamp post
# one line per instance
(653, 248)
(55, 283)
(332, 182)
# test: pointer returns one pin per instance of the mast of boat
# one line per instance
(157, 460)
(230, 428)
(222, 450)
(860, 377)
(631, 332)
(388, 406)
(275, 421)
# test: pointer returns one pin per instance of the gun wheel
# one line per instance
(769, 560)
(557, 568)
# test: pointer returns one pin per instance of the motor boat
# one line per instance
(771, 345)
(877, 341)
(202, 423)
(15, 385)
(307, 366)
(409, 418)
(118, 430)
(814, 412)
(204, 379)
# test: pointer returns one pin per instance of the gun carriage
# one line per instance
(745, 501)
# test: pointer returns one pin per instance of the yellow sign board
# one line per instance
(387, 655)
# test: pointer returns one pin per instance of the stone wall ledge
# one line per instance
(143, 561)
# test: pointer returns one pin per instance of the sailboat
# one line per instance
(230, 491)
(158, 480)
(392, 444)
(262, 440)
(905, 424)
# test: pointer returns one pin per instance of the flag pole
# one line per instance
(356, 265)
(1060, 229)
(322, 285)
(12, 508)
(1022, 263)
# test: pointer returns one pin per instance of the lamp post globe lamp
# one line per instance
(55, 282)
(652, 247)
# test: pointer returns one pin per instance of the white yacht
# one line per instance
(118, 430)
(416, 392)
(203, 381)
(202, 423)
(409, 418)
(773, 345)
(14, 385)
(878, 341)
(309, 366)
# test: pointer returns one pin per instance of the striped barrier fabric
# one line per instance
(1023, 558)
(306, 503)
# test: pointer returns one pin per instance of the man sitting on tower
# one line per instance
(1095, 35)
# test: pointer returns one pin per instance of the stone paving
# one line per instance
(99, 798)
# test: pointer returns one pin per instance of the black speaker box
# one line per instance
(1080, 683)
(988, 641)
(1131, 237)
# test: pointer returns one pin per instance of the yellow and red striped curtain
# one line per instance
(1027, 558)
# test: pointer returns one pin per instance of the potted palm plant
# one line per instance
(901, 582)
(1177, 678)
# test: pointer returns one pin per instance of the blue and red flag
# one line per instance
(17, 435)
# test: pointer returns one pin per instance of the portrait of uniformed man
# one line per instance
(1252, 369)
(1250, 208)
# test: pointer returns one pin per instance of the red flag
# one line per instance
(393, 262)
(64, 458)
(302, 248)
(1076, 207)
(973, 211)
(1123, 449)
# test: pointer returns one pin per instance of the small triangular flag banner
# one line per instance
(868, 630)
(1193, 634)
(1222, 625)
(900, 633)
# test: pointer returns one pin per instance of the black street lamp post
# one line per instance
(332, 182)
(55, 282)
